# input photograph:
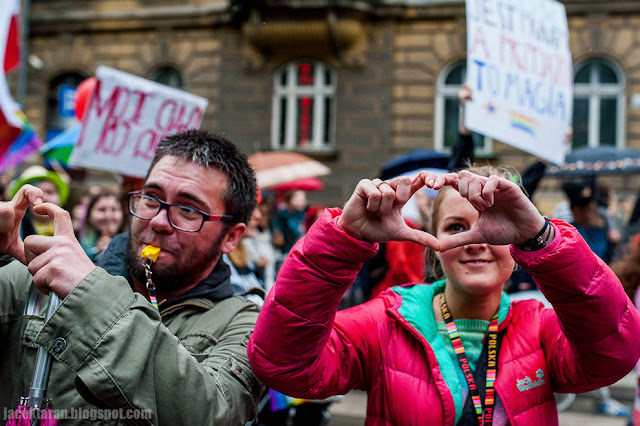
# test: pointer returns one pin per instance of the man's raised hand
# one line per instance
(11, 214)
(57, 262)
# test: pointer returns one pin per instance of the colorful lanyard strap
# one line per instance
(492, 363)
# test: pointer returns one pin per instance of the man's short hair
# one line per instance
(211, 150)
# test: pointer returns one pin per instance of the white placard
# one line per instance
(520, 72)
(126, 118)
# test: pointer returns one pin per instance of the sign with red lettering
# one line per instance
(520, 72)
(126, 118)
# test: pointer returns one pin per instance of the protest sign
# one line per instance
(520, 72)
(126, 118)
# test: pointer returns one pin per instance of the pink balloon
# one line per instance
(83, 94)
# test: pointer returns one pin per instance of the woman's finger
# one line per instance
(388, 197)
(463, 185)
(371, 193)
(403, 191)
(446, 179)
(420, 237)
(461, 239)
(489, 189)
(474, 194)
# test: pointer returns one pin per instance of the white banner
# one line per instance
(520, 72)
(126, 118)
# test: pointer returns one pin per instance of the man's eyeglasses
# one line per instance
(184, 218)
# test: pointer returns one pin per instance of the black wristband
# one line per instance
(537, 242)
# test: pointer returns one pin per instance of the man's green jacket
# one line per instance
(117, 360)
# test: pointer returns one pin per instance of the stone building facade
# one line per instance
(384, 64)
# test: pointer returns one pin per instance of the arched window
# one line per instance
(168, 76)
(447, 110)
(598, 104)
(303, 107)
(61, 103)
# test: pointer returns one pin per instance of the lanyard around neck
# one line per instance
(491, 343)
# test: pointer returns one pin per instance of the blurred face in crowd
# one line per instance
(50, 192)
(106, 215)
(473, 269)
(256, 218)
(186, 258)
(264, 208)
(298, 200)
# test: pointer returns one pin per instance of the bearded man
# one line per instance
(180, 360)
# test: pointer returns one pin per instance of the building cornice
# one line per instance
(70, 19)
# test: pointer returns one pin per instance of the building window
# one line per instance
(598, 104)
(61, 103)
(447, 111)
(168, 76)
(303, 107)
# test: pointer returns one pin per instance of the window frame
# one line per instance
(156, 73)
(595, 92)
(292, 92)
(444, 92)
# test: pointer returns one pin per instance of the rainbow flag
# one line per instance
(26, 142)
(60, 147)
(278, 401)
(17, 138)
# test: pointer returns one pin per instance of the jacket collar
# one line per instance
(413, 308)
(215, 287)
(415, 305)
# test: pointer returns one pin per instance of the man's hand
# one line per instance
(11, 214)
(58, 262)
(374, 212)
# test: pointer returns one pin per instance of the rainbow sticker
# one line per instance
(522, 122)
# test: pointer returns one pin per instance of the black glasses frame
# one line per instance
(164, 205)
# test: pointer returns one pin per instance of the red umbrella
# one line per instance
(308, 184)
(278, 167)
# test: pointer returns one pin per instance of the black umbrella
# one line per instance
(414, 160)
(597, 161)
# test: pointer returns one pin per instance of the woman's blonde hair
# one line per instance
(506, 172)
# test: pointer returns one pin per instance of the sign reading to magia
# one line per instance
(126, 118)
(520, 72)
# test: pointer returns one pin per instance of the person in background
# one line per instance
(243, 271)
(289, 223)
(628, 270)
(421, 351)
(55, 190)
(105, 218)
(260, 250)
(587, 217)
(79, 210)
(312, 214)
(593, 226)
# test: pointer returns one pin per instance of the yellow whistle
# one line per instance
(151, 252)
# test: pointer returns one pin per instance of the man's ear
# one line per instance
(233, 237)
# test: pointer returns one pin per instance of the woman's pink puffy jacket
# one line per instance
(303, 348)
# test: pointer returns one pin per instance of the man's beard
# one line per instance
(174, 276)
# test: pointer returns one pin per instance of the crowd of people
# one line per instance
(251, 288)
